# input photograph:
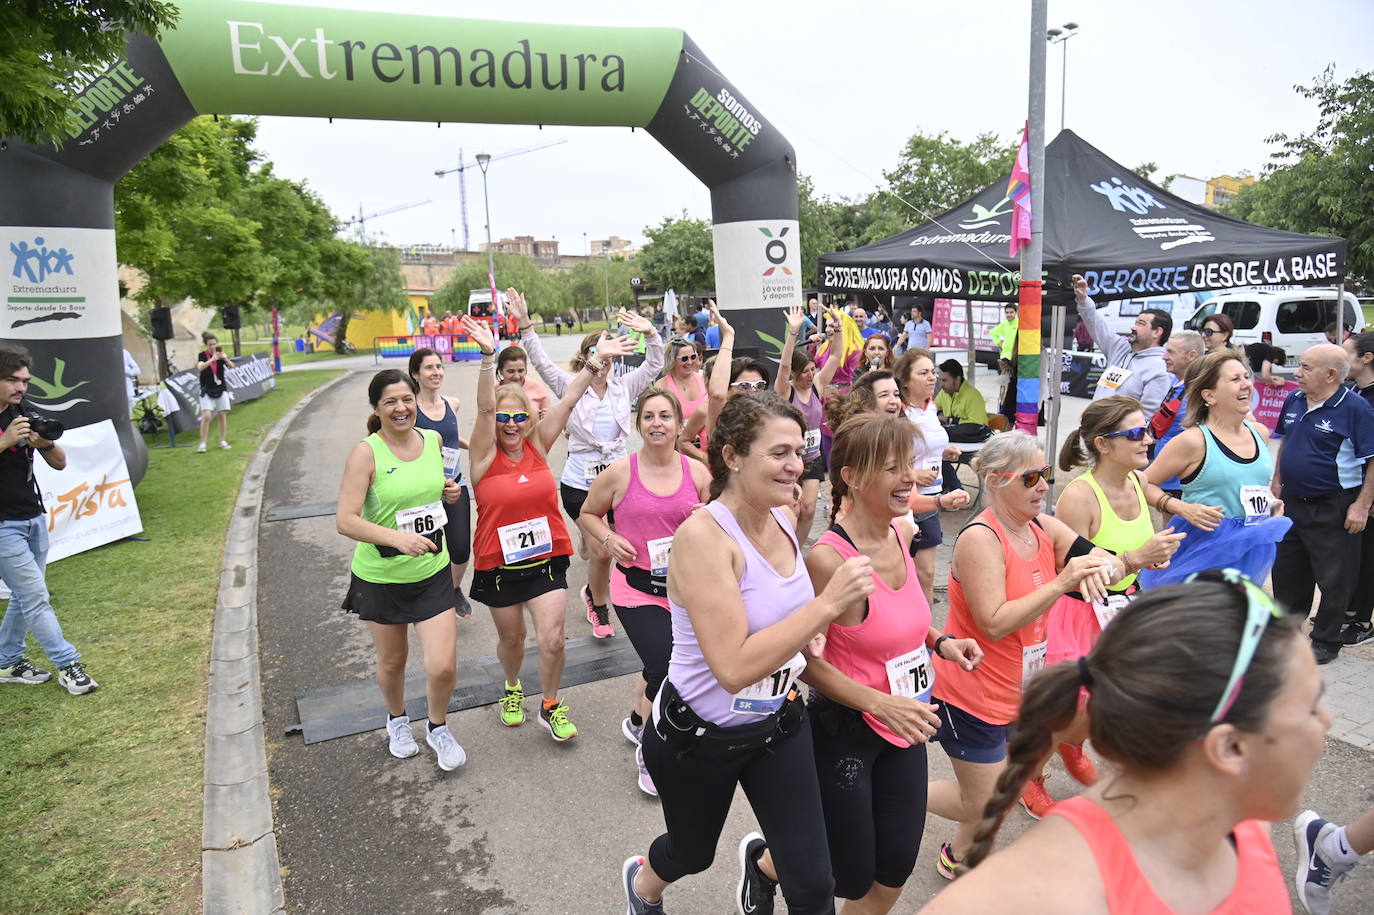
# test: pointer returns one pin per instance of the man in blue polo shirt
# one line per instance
(1325, 478)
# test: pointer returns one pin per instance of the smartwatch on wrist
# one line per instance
(940, 641)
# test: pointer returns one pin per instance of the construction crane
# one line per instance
(361, 219)
(462, 179)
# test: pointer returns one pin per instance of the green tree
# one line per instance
(361, 278)
(933, 174)
(1322, 182)
(510, 270)
(601, 284)
(49, 48)
(679, 255)
(293, 226)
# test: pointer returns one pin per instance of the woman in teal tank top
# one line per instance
(1222, 458)
(392, 502)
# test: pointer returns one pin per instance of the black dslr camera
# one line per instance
(43, 426)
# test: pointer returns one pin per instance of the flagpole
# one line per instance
(1033, 254)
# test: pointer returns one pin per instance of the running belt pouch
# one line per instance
(837, 720)
(435, 537)
(643, 582)
(969, 433)
(687, 733)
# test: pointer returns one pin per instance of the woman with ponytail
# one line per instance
(871, 687)
(1107, 506)
(400, 569)
(1207, 699)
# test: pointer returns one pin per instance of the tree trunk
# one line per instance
(341, 334)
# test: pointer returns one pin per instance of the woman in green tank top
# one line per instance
(392, 502)
(1107, 506)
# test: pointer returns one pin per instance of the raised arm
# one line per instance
(482, 444)
(639, 378)
(1098, 329)
(553, 423)
(783, 384)
(718, 385)
(554, 375)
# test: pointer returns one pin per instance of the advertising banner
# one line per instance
(949, 325)
(1268, 402)
(91, 502)
(246, 378)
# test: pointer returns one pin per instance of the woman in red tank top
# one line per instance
(1207, 699)
(521, 546)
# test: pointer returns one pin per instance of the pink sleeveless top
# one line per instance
(688, 406)
(642, 517)
(1260, 887)
(894, 631)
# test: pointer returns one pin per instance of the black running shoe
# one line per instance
(1356, 633)
(756, 891)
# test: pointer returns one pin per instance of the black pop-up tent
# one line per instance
(1127, 237)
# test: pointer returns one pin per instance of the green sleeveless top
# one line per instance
(1117, 535)
(405, 488)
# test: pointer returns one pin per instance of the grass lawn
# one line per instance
(102, 792)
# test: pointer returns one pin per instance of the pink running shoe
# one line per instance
(599, 620)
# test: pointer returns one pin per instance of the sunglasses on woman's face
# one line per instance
(688, 359)
(1130, 435)
(517, 417)
(1211, 331)
(1030, 477)
(749, 385)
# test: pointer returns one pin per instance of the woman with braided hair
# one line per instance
(1208, 700)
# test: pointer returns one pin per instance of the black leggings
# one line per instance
(874, 798)
(780, 783)
(650, 629)
(458, 530)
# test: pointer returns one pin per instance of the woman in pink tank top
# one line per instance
(684, 381)
(650, 493)
(1207, 700)
(870, 688)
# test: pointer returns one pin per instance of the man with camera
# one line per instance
(24, 537)
(214, 393)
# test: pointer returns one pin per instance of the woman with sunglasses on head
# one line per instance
(918, 381)
(870, 700)
(597, 432)
(1208, 701)
(521, 543)
(512, 367)
(1012, 566)
(440, 413)
(800, 384)
(1223, 461)
(1106, 505)
(651, 492)
(685, 382)
(729, 714)
(1217, 331)
(391, 501)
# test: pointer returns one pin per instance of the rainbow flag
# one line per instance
(1019, 190)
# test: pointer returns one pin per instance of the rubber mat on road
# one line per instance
(296, 512)
(353, 708)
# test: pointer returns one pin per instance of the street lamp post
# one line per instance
(483, 160)
(1061, 36)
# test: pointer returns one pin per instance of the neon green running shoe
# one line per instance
(512, 706)
(555, 719)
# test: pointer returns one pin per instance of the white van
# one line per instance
(1292, 320)
(479, 302)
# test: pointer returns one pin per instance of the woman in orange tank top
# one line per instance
(1207, 699)
(1012, 565)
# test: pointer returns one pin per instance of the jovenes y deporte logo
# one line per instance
(36, 262)
(775, 250)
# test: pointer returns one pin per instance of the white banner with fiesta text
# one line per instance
(91, 502)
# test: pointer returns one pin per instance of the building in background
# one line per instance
(1222, 189)
(1193, 190)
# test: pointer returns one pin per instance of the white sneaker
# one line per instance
(402, 741)
(225, 445)
(200, 449)
(646, 781)
(448, 753)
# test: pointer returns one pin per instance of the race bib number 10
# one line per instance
(1257, 501)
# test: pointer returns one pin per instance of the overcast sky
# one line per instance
(1195, 87)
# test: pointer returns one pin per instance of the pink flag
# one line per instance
(1019, 190)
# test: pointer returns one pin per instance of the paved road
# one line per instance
(527, 826)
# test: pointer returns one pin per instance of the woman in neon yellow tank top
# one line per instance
(1107, 506)
(391, 501)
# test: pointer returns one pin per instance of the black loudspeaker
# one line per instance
(160, 322)
(229, 316)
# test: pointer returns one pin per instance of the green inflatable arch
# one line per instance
(235, 57)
